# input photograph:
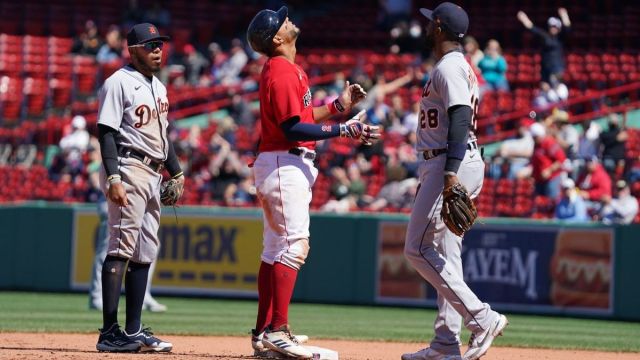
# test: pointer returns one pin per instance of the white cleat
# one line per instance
(429, 354)
(154, 306)
(258, 347)
(282, 341)
(481, 342)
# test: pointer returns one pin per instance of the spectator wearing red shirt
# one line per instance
(546, 162)
(595, 183)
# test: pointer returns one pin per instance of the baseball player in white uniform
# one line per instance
(132, 124)
(448, 146)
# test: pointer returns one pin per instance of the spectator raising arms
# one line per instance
(552, 48)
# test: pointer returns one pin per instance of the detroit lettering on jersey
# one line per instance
(452, 83)
(137, 107)
(145, 113)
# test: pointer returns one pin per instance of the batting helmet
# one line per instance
(264, 27)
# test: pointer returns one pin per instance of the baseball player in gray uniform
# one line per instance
(448, 146)
(132, 124)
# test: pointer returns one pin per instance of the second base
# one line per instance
(319, 353)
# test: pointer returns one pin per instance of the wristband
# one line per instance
(335, 107)
(114, 179)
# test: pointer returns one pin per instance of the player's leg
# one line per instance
(137, 275)
(102, 242)
(448, 322)
(420, 250)
(124, 225)
(285, 193)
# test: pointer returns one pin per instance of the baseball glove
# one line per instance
(170, 192)
(458, 211)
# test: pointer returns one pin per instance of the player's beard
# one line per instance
(145, 63)
(430, 40)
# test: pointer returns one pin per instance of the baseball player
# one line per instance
(284, 171)
(448, 147)
(132, 125)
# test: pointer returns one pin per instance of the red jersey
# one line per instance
(284, 93)
(545, 154)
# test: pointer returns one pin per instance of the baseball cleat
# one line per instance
(256, 341)
(152, 305)
(480, 342)
(429, 354)
(115, 340)
(282, 341)
(148, 342)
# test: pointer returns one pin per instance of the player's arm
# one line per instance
(294, 130)
(287, 109)
(452, 83)
(111, 108)
(172, 164)
(351, 95)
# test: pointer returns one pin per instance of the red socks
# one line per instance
(284, 280)
(275, 288)
(265, 295)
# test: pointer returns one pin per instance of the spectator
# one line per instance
(589, 142)
(552, 62)
(241, 112)
(74, 145)
(472, 50)
(594, 184)
(229, 72)
(194, 64)
(158, 15)
(571, 207)
(494, 67)
(622, 209)
(88, 42)
(111, 50)
(566, 135)
(613, 145)
(410, 121)
(517, 152)
(546, 162)
(551, 93)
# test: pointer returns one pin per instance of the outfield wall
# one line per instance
(516, 265)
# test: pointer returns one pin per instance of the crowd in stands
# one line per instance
(586, 173)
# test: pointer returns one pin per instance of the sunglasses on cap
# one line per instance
(151, 45)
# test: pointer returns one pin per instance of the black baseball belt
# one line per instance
(305, 154)
(430, 154)
(154, 165)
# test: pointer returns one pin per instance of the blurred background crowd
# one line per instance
(558, 118)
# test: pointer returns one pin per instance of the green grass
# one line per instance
(44, 312)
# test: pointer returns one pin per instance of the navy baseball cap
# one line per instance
(264, 27)
(142, 33)
(451, 16)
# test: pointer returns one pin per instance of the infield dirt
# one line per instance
(41, 346)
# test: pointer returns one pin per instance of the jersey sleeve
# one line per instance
(111, 103)
(285, 98)
(452, 84)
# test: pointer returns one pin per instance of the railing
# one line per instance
(592, 105)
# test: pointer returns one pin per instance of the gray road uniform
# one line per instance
(138, 109)
(433, 250)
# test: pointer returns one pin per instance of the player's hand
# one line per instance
(355, 128)
(450, 180)
(351, 95)
(117, 194)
